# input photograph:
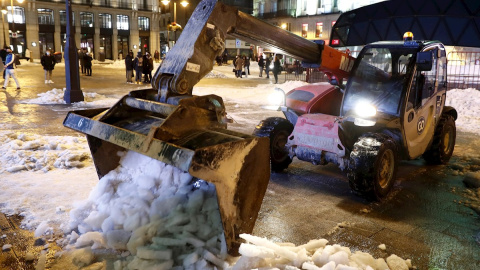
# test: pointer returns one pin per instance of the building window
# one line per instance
(105, 20)
(122, 22)
(143, 23)
(63, 17)
(319, 30)
(304, 30)
(86, 19)
(123, 4)
(18, 14)
(45, 16)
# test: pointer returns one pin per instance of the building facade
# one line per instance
(311, 19)
(107, 28)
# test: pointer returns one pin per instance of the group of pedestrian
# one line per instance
(265, 63)
(143, 66)
(242, 66)
(85, 59)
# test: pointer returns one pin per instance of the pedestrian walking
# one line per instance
(48, 63)
(10, 69)
(297, 67)
(268, 60)
(246, 64)
(138, 66)
(261, 64)
(239, 66)
(81, 55)
(129, 67)
(156, 55)
(276, 68)
(87, 58)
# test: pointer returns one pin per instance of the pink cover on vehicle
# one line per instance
(318, 131)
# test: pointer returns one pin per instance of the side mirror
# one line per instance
(424, 61)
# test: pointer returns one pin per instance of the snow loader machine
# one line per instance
(392, 108)
(171, 125)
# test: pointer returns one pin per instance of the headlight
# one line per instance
(365, 109)
(277, 97)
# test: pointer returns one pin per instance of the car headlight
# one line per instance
(277, 97)
(275, 100)
(365, 109)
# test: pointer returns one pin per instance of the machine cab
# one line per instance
(398, 80)
(425, 98)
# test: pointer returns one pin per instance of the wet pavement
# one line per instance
(422, 220)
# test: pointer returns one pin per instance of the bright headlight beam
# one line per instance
(365, 109)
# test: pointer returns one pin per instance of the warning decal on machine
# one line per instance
(193, 67)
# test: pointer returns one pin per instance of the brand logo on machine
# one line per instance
(420, 125)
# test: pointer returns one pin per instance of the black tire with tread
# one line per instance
(278, 130)
(373, 166)
(443, 143)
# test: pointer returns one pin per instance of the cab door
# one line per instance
(425, 102)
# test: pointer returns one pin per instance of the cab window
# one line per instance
(423, 86)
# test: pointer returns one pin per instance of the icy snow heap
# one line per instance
(161, 218)
(55, 96)
(20, 152)
(156, 212)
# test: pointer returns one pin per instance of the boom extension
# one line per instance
(204, 37)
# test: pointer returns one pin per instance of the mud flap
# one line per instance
(191, 136)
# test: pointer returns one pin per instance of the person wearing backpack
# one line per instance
(138, 64)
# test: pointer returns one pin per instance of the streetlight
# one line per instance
(173, 26)
(14, 34)
(4, 11)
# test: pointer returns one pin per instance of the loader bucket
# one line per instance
(191, 136)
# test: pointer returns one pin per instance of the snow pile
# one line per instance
(248, 95)
(55, 96)
(154, 211)
(314, 255)
(19, 152)
(158, 217)
(465, 101)
(215, 74)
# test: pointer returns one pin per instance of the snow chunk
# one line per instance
(396, 263)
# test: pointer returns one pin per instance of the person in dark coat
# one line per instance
(129, 67)
(246, 64)
(267, 66)
(81, 57)
(261, 65)
(48, 63)
(147, 68)
(156, 55)
(276, 68)
(138, 66)
(87, 59)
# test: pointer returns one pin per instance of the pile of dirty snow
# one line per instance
(158, 217)
(55, 96)
(156, 214)
(19, 152)
(465, 101)
(215, 74)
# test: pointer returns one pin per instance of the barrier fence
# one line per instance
(463, 71)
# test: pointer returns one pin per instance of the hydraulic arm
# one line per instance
(204, 37)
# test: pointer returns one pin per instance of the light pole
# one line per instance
(174, 26)
(14, 34)
(4, 11)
